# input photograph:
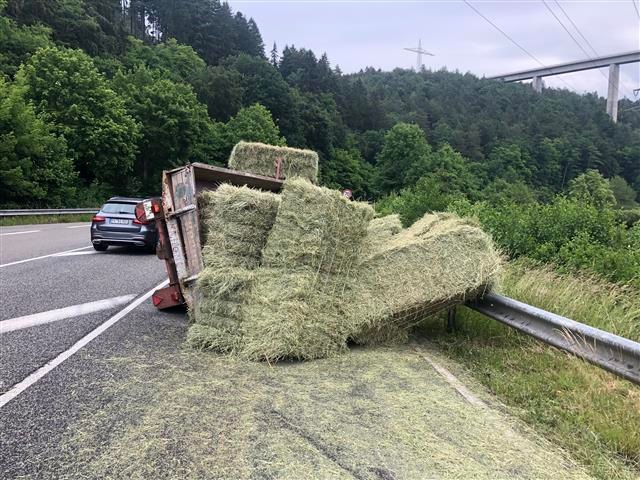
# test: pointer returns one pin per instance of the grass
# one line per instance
(380, 413)
(593, 414)
(40, 219)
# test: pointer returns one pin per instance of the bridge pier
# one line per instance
(612, 92)
(537, 84)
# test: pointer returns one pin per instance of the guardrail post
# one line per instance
(451, 320)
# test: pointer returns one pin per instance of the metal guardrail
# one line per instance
(616, 354)
(46, 211)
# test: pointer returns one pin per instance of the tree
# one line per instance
(177, 61)
(34, 168)
(274, 55)
(263, 84)
(405, 147)
(625, 195)
(221, 90)
(593, 189)
(253, 124)
(92, 25)
(175, 127)
(66, 88)
(346, 168)
(18, 42)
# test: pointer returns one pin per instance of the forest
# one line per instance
(97, 97)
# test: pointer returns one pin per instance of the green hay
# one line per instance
(261, 159)
(237, 221)
(438, 262)
(368, 414)
(296, 307)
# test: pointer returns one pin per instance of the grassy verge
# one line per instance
(593, 414)
(38, 219)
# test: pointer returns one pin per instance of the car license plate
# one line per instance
(120, 221)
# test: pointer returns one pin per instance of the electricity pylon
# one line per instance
(420, 51)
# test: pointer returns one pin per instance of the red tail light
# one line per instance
(97, 219)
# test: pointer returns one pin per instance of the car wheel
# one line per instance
(100, 247)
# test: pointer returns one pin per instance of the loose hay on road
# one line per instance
(368, 414)
(261, 159)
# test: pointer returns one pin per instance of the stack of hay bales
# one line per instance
(296, 307)
(301, 274)
(237, 221)
(438, 262)
(261, 159)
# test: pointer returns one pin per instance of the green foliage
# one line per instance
(35, 168)
(593, 189)
(251, 124)
(175, 127)
(570, 234)
(624, 194)
(209, 26)
(18, 42)
(66, 88)
(92, 25)
(254, 124)
(220, 89)
(405, 152)
(176, 61)
(347, 169)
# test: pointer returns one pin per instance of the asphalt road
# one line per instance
(44, 268)
(96, 383)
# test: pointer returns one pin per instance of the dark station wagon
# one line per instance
(116, 224)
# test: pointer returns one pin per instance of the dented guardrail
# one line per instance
(613, 353)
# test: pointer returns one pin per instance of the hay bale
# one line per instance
(296, 304)
(380, 231)
(440, 261)
(237, 221)
(261, 159)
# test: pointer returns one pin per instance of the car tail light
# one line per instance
(97, 219)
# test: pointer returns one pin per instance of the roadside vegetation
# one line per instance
(40, 219)
(593, 414)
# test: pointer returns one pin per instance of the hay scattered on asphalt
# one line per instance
(369, 414)
(309, 263)
(261, 159)
(237, 221)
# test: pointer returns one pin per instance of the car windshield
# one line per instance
(119, 208)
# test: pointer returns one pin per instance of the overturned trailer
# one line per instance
(178, 221)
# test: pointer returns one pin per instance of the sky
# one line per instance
(356, 34)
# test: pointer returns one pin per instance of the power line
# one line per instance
(577, 29)
(607, 78)
(636, 7)
(566, 29)
(514, 42)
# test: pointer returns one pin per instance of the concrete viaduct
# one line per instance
(611, 61)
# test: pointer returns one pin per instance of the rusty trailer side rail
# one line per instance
(613, 353)
(179, 224)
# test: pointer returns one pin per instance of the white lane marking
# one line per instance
(451, 379)
(18, 233)
(50, 316)
(72, 254)
(18, 388)
(43, 256)
(81, 226)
